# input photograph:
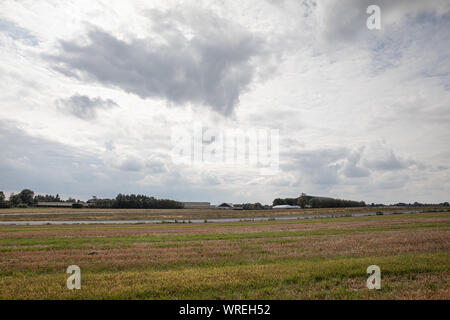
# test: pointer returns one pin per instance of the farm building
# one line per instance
(197, 205)
(225, 205)
(57, 204)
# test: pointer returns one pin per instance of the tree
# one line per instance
(27, 197)
(258, 206)
(46, 198)
(278, 202)
(3, 202)
(14, 199)
(302, 200)
(291, 201)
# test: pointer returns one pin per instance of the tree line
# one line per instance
(285, 201)
(27, 198)
(133, 201)
(334, 203)
(317, 202)
(254, 206)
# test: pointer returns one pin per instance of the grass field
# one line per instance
(36, 214)
(296, 259)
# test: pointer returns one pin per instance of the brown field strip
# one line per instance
(276, 259)
(39, 214)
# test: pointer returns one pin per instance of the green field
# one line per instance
(293, 259)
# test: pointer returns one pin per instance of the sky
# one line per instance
(93, 94)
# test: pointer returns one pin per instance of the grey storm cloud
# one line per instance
(46, 166)
(52, 167)
(134, 164)
(320, 167)
(327, 167)
(41, 164)
(388, 163)
(83, 106)
(352, 168)
(212, 68)
(131, 164)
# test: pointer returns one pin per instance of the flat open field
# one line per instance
(39, 214)
(296, 259)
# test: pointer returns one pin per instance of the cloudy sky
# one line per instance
(92, 91)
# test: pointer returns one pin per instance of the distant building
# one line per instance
(225, 205)
(57, 204)
(285, 206)
(197, 205)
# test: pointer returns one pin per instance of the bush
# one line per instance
(77, 205)
(5, 204)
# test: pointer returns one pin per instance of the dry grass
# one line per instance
(36, 214)
(213, 228)
(313, 259)
(171, 255)
(332, 278)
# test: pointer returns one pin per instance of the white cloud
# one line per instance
(362, 114)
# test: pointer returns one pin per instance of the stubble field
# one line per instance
(295, 259)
